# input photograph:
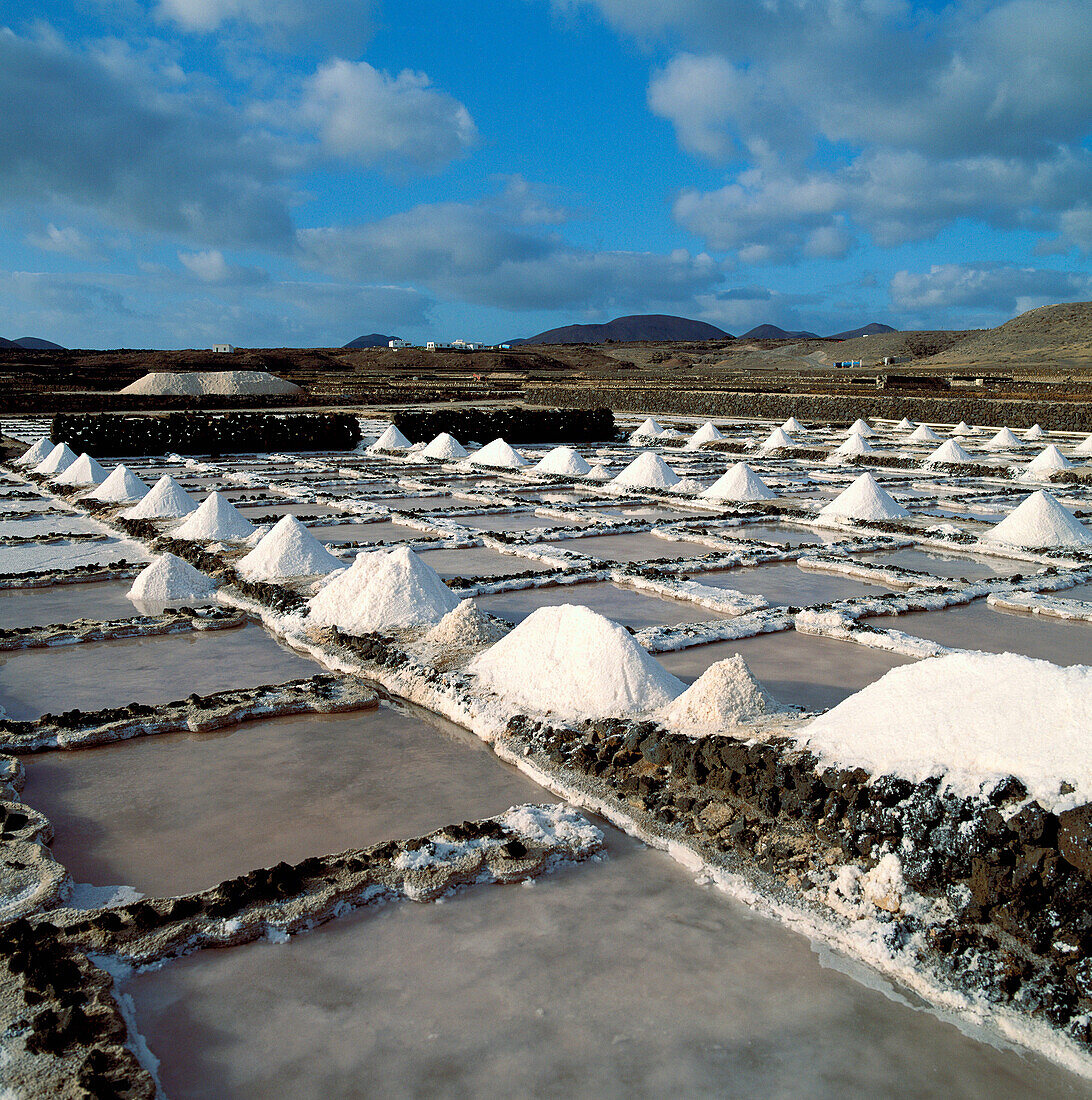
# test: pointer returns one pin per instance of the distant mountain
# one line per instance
(7, 343)
(874, 329)
(31, 343)
(772, 332)
(374, 340)
(645, 326)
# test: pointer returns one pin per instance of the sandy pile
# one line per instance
(289, 550)
(57, 461)
(726, 695)
(216, 520)
(83, 473)
(562, 462)
(574, 663)
(1048, 461)
(647, 471)
(41, 449)
(739, 483)
(120, 487)
(498, 455)
(445, 447)
(866, 499)
(170, 580)
(165, 500)
(1039, 522)
(1004, 440)
(198, 383)
(923, 434)
(383, 590)
(705, 434)
(391, 440)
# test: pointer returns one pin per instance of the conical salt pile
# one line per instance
(923, 434)
(165, 500)
(777, 440)
(1005, 440)
(41, 450)
(289, 550)
(861, 427)
(1034, 433)
(1084, 447)
(962, 429)
(562, 462)
(1038, 523)
(168, 580)
(576, 664)
(391, 440)
(120, 487)
(650, 428)
(83, 473)
(854, 445)
(216, 520)
(57, 461)
(648, 471)
(598, 472)
(865, 500)
(793, 427)
(905, 425)
(705, 434)
(383, 590)
(948, 452)
(687, 487)
(1048, 461)
(498, 455)
(739, 483)
(725, 696)
(445, 446)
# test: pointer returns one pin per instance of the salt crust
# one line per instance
(197, 383)
(445, 446)
(288, 550)
(216, 519)
(563, 462)
(120, 487)
(57, 461)
(165, 500)
(866, 499)
(169, 579)
(648, 471)
(498, 455)
(923, 434)
(383, 590)
(972, 718)
(740, 482)
(574, 663)
(391, 440)
(42, 448)
(83, 473)
(725, 696)
(1039, 522)
(705, 434)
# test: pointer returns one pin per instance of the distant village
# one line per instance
(441, 345)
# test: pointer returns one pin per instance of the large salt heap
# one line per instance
(905, 425)
(83, 473)
(498, 455)
(853, 446)
(923, 434)
(170, 580)
(391, 440)
(647, 471)
(165, 500)
(289, 550)
(57, 461)
(649, 427)
(950, 452)
(562, 462)
(216, 520)
(598, 472)
(861, 428)
(1004, 440)
(445, 447)
(725, 696)
(243, 383)
(383, 590)
(866, 499)
(707, 433)
(1084, 447)
(739, 483)
(41, 450)
(121, 487)
(777, 440)
(574, 663)
(1048, 461)
(1039, 522)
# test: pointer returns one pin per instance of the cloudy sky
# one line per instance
(298, 172)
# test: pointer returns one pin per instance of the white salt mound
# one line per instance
(688, 486)
(216, 520)
(650, 427)
(1034, 433)
(562, 462)
(726, 695)
(445, 446)
(165, 500)
(391, 440)
(923, 434)
(861, 428)
(467, 627)
(598, 472)
(866, 499)
(671, 433)
(777, 440)
(572, 662)
(972, 718)
(289, 550)
(739, 483)
(198, 383)
(498, 455)
(705, 434)
(1048, 461)
(84, 472)
(41, 449)
(962, 428)
(649, 471)
(57, 461)
(168, 580)
(854, 445)
(1084, 447)
(1037, 523)
(1004, 440)
(383, 590)
(120, 487)
(948, 452)
(792, 426)
(905, 425)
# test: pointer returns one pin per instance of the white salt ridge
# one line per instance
(168, 580)
(905, 425)
(866, 499)
(562, 462)
(648, 471)
(1048, 461)
(216, 520)
(199, 383)
(41, 450)
(1034, 433)
(1004, 440)
(923, 434)
(574, 663)
(445, 446)
(57, 461)
(950, 451)
(165, 500)
(777, 440)
(862, 428)
(739, 483)
(83, 473)
(972, 718)
(120, 487)
(792, 426)
(383, 590)
(707, 433)
(650, 427)
(498, 455)
(288, 550)
(391, 440)
(598, 472)
(1039, 522)
(725, 696)
(962, 428)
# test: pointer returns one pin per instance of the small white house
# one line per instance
(465, 345)
(396, 343)
(438, 345)
(223, 348)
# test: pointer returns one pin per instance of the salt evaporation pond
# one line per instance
(616, 979)
(63, 603)
(154, 669)
(380, 531)
(181, 812)
(38, 557)
(478, 561)
(519, 521)
(65, 524)
(280, 508)
(787, 584)
(941, 565)
(782, 533)
(801, 669)
(631, 547)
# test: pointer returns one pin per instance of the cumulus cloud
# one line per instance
(211, 267)
(283, 22)
(66, 240)
(998, 288)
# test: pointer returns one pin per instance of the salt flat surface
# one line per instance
(67, 555)
(478, 561)
(944, 565)
(632, 547)
(64, 602)
(787, 584)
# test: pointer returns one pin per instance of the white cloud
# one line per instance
(283, 22)
(211, 267)
(66, 240)
(996, 288)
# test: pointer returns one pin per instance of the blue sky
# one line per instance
(299, 172)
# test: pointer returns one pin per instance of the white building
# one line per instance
(222, 347)
(438, 345)
(466, 345)
(396, 343)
